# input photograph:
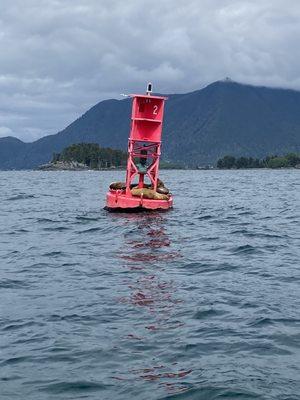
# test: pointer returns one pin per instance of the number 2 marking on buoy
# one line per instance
(155, 108)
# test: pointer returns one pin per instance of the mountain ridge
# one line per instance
(224, 117)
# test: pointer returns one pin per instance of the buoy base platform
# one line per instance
(117, 200)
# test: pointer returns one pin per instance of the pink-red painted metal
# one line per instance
(116, 199)
(144, 150)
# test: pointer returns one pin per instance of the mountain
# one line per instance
(13, 153)
(223, 118)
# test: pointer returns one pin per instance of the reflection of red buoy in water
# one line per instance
(144, 149)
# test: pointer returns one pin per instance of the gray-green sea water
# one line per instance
(201, 302)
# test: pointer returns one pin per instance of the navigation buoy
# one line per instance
(144, 150)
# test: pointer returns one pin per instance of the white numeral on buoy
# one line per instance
(155, 108)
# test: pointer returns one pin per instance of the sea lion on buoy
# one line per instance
(117, 186)
(160, 183)
(133, 185)
(148, 194)
(161, 187)
(162, 190)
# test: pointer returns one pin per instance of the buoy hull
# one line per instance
(116, 199)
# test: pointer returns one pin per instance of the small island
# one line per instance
(86, 156)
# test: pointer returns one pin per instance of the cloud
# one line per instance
(5, 131)
(59, 57)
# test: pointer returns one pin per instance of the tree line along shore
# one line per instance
(85, 156)
(290, 160)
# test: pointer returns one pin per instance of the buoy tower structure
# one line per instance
(144, 151)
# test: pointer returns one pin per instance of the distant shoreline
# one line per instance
(161, 169)
(74, 166)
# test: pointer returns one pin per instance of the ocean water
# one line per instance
(201, 302)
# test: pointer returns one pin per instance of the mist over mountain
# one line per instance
(223, 118)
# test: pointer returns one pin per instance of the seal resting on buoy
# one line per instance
(117, 186)
(148, 189)
(162, 190)
(148, 194)
(161, 187)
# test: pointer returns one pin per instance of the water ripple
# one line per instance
(201, 302)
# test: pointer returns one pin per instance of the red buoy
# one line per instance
(144, 150)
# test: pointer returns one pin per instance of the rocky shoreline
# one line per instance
(76, 166)
(63, 166)
(72, 166)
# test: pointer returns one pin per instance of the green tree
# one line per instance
(55, 157)
(227, 162)
(292, 159)
(277, 162)
(242, 162)
(92, 155)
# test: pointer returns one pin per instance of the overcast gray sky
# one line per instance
(60, 57)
